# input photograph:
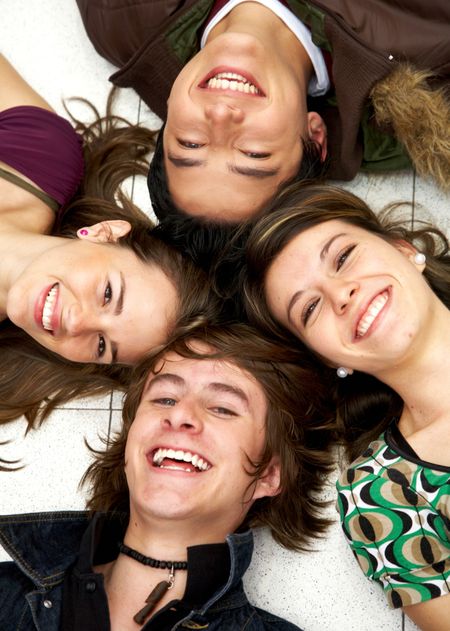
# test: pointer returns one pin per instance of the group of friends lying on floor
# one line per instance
(268, 317)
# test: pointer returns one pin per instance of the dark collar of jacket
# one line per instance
(45, 545)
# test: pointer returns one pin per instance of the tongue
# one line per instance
(179, 464)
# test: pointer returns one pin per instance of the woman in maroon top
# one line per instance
(108, 294)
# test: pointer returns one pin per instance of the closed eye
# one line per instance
(255, 155)
(223, 411)
(343, 256)
(308, 310)
(187, 144)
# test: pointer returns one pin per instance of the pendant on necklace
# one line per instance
(154, 597)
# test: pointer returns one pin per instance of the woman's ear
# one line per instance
(411, 253)
(269, 482)
(317, 132)
(108, 231)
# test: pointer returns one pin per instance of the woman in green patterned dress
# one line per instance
(371, 297)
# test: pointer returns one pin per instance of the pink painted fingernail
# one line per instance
(84, 232)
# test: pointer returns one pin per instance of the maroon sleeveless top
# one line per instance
(43, 147)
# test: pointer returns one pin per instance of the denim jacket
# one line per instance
(44, 545)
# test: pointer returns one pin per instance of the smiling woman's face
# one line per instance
(354, 298)
(93, 302)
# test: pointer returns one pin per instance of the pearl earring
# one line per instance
(342, 372)
(420, 258)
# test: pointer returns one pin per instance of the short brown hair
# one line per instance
(299, 429)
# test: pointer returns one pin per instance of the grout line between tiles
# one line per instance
(82, 409)
(137, 122)
(110, 416)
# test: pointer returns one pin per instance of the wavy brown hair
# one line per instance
(299, 429)
(33, 380)
(363, 403)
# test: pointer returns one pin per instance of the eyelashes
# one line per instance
(343, 256)
(101, 348)
(308, 311)
(189, 145)
(340, 261)
(107, 297)
(255, 155)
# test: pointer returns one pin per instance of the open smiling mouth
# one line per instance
(372, 312)
(49, 306)
(178, 460)
(233, 81)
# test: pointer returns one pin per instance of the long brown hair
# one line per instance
(33, 380)
(299, 429)
(364, 404)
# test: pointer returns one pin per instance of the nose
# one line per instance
(77, 321)
(184, 416)
(220, 113)
(342, 295)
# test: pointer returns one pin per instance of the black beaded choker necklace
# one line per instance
(161, 588)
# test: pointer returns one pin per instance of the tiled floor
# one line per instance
(320, 591)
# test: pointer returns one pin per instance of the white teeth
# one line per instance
(232, 81)
(371, 313)
(183, 456)
(49, 305)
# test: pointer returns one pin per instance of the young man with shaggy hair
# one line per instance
(258, 93)
(220, 433)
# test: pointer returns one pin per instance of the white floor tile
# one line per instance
(379, 190)
(319, 591)
(88, 403)
(432, 204)
(54, 458)
(47, 43)
(409, 625)
(116, 403)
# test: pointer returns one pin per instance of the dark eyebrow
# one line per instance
(185, 162)
(216, 386)
(253, 172)
(323, 253)
(117, 311)
(328, 245)
(228, 389)
(292, 302)
(247, 171)
(119, 304)
(114, 351)
(167, 376)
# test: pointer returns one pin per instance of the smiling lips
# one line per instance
(49, 306)
(371, 313)
(232, 81)
(179, 460)
(222, 79)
